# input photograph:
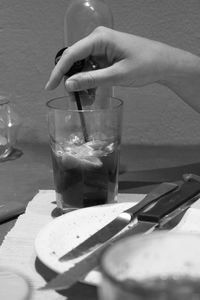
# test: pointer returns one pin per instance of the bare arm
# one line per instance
(183, 77)
(130, 60)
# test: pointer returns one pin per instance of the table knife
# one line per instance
(120, 222)
(162, 211)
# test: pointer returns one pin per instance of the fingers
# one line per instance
(80, 50)
(89, 80)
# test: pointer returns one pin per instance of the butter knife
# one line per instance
(163, 211)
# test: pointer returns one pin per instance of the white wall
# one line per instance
(31, 32)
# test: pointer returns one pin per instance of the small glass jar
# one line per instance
(9, 127)
(14, 285)
(157, 266)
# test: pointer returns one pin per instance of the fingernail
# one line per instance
(71, 85)
(47, 86)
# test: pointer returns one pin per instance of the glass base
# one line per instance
(5, 151)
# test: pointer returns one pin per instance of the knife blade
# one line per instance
(120, 222)
(161, 212)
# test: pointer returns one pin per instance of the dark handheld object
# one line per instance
(79, 65)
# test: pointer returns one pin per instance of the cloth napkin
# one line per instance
(17, 250)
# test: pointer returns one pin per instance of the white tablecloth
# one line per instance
(17, 250)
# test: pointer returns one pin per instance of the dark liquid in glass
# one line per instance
(86, 180)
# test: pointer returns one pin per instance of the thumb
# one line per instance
(92, 79)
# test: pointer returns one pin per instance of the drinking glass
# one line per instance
(14, 285)
(85, 146)
(9, 126)
(157, 266)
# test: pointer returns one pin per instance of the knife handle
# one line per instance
(167, 204)
(155, 194)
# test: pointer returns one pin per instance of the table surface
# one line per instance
(141, 168)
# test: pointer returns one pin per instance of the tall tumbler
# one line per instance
(85, 147)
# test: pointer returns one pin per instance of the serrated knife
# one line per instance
(120, 222)
(163, 211)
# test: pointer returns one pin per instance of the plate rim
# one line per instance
(44, 232)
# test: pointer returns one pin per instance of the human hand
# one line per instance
(124, 59)
(130, 60)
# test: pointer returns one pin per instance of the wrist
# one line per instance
(179, 66)
(182, 76)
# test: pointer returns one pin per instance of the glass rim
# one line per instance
(118, 101)
(22, 276)
(138, 285)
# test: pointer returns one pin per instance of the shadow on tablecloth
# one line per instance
(78, 291)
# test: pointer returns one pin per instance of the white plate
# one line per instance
(67, 231)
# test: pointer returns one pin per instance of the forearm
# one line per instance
(131, 61)
(183, 76)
